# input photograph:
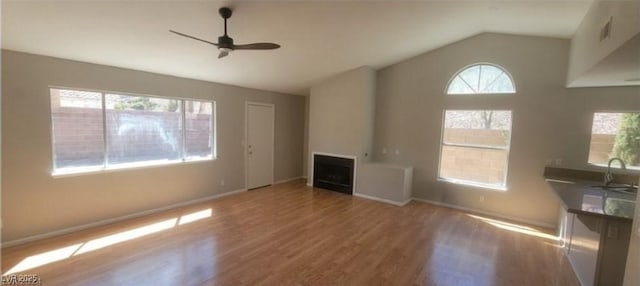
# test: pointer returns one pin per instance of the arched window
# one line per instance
(476, 142)
(481, 79)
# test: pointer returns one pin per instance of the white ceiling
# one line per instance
(318, 39)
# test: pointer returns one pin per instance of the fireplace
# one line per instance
(333, 173)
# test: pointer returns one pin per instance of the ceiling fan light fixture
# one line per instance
(225, 50)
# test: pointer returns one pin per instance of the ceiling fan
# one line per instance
(225, 43)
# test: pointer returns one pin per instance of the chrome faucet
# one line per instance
(608, 177)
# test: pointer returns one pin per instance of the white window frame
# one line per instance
(135, 165)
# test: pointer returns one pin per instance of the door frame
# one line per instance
(246, 139)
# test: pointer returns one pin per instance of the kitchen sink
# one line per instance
(625, 189)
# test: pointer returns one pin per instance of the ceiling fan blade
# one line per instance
(223, 54)
(192, 37)
(256, 46)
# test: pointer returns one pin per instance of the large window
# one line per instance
(475, 147)
(97, 131)
(615, 135)
(475, 143)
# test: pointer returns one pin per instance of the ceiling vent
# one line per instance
(605, 32)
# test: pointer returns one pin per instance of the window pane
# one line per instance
(458, 86)
(78, 141)
(615, 135)
(475, 146)
(488, 75)
(502, 84)
(477, 127)
(475, 165)
(198, 116)
(143, 130)
(471, 76)
(481, 79)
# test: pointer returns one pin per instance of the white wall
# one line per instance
(587, 51)
(33, 202)
(549, 121)
(341, 111)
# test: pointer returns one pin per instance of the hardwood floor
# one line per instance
(291, 234)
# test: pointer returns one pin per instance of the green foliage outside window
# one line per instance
(145, 103)
(627, 142)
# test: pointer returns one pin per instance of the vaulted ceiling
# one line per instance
(318, 38)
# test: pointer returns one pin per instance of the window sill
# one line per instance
(126, 167)
(483, 93)
(473, 184)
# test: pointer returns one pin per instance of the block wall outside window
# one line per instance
(475, 147)
(199, 122)
(77, 129)
(143, 129)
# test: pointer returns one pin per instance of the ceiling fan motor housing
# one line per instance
(225, 42)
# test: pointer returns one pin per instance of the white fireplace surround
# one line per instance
(381, 182)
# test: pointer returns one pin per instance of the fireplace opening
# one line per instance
(333, 173)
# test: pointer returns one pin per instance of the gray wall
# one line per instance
(341, 111)
(33, 202)
(549, 121)
(305, 151)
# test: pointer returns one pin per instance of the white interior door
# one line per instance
(259, 146)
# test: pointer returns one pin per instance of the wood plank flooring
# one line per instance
(291, 234)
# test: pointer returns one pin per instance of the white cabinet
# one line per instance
(583, 251)
(565, 225)
(385, 182)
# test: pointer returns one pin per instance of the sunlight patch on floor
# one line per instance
(194, 216)
(44, 258)
(109, 240)
(515, 228)
(55, 255)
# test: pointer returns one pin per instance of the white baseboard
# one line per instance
(287, 180)
(113, 220)
(475, 211)
(381, 200)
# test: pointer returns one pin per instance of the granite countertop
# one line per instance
(581, 196)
